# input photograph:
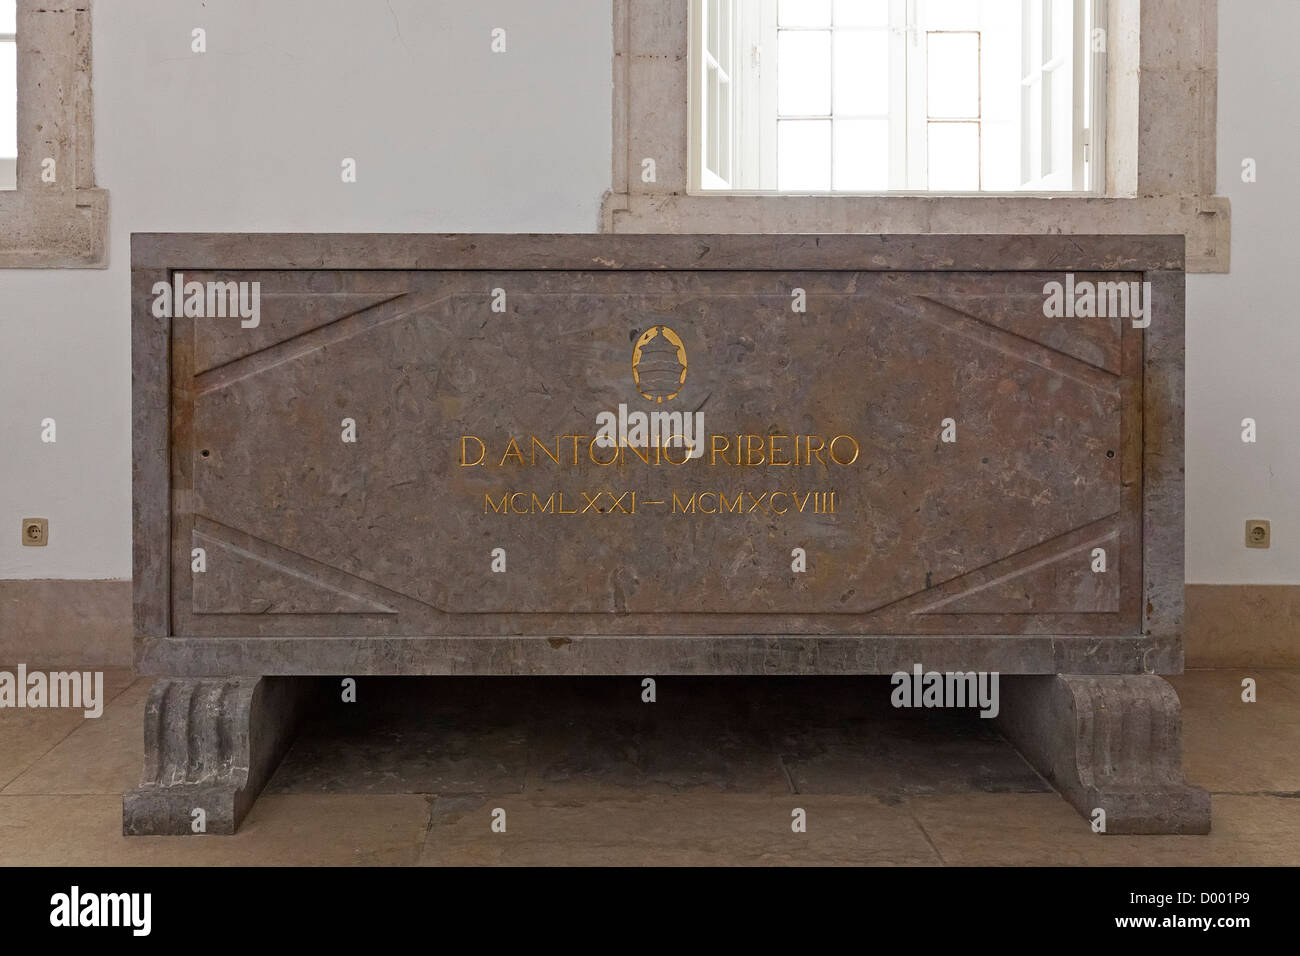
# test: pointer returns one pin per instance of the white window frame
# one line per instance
(1036, 69)
(9, 164)
(908, 115)
(749, 84)
(712, 76)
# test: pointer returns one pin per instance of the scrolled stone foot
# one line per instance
(1111, 744)
(211, 744)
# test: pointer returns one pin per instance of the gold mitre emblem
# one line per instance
(659, 363)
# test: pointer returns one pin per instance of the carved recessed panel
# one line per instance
(947, 458)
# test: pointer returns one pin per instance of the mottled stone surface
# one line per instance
(991, 533)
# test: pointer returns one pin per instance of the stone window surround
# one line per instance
(63, 224)
(1161, 146)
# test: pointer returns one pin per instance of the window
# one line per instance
(867, 96)
(8, 94)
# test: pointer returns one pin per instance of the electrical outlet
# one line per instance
(36, 532)
(1258, 534)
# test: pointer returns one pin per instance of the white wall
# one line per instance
(1243, 329)
(449, 137)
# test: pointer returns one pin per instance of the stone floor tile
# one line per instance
(1044, 830)
(27, 735)
(104, 755)
(680, 829)
(1234, 747)
(284, 830)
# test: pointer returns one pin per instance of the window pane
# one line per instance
(1062, 27)
(804, 13)
(713, 89)
(1062, 119)
(1000, 162)
(862, 13)
(861, 72)
(803, 157)
(954, 156)
(957, 14)
(723, 52)
(724, 131)
(1045, 27)
(1048, 162)
(862, 155)
(1000, 65)
(1032, 129)
(804, 72)
(953, 75)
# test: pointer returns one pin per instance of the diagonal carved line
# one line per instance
(1008, 343)
(1051, 548)
(304, 343)
(993, 325)
(1045, 561)
(265, 551)
(386, 298)
(301, 575)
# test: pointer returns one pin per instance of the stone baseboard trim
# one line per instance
(1242, 625)
(49, 622)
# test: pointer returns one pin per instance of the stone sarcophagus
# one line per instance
(656, 455)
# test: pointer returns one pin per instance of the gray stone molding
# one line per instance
(60, 224)
(642, 654)
(1109, 743)
(1160, 152)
